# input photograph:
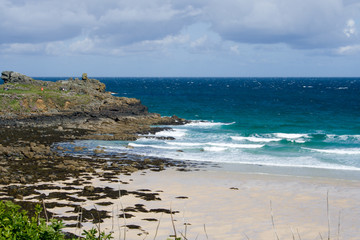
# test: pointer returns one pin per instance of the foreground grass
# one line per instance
(16, 224)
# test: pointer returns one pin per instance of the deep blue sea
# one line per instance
(294, 123)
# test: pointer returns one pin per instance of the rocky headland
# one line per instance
(35, 115)
(34, 112)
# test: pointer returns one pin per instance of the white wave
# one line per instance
(218, 152)
(310, 166)
(290, 135)
(214, 149)
(135, 145)
(213, 144)
(343, 151)
(255, 139)
(111, 147)
(207, 124)
(232, 145)
(343, 137)
(176, 133)
(185, 144)
(215, 154)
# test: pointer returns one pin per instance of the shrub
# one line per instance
(15, 224)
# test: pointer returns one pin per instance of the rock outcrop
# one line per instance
(83, 86)
(15, 77)
(74, 105)
(26, 97)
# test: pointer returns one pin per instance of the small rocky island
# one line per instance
(35, 115)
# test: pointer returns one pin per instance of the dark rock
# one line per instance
(162, 210)
(15, 77)
(182, 197)
(132, 226)
(126, 215)
(89, 189)
(150, 219)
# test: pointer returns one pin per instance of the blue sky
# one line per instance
(181, 38)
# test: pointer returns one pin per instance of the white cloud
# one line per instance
(199, 42)
(300, 23)
(42, 21)
(235, 49)
(56, 48)
(154, 45)
(350, 28)
(348, 50)
(168, 40)
(24, 48)
(112, 26)
(82, 46)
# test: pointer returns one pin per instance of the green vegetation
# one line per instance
(24, 98)
(16, 224)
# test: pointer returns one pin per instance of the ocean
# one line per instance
(287, 124)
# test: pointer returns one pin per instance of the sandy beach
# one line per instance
(233, 205)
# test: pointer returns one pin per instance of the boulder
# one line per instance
(89, 188)
(98, 151)
(84, 77)
(15, 77)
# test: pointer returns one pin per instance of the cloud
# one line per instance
(113, 27)
(84, 45)
(41, 21)
(348, 50)
(298, 23)
(24, 48)
(350, 28)
(199, 42)
(124, 21)
(235, 49)
(157, 45)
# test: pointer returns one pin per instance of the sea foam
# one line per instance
(176, 133)
(343, 151)
(207, 124)
(255, 139)
(290, 135)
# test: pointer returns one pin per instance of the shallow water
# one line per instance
(288, 123)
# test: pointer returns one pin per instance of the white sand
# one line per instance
(299, 204)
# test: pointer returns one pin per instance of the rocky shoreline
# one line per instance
(51, 112)
(42, 113)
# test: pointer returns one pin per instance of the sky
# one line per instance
(181, 38)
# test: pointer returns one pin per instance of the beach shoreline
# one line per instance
(230, 204)
(295, 171)
(133, 195)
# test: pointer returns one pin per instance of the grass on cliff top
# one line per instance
(21, 98)
(36, 89)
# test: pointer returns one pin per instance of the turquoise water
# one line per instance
(280, 122)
